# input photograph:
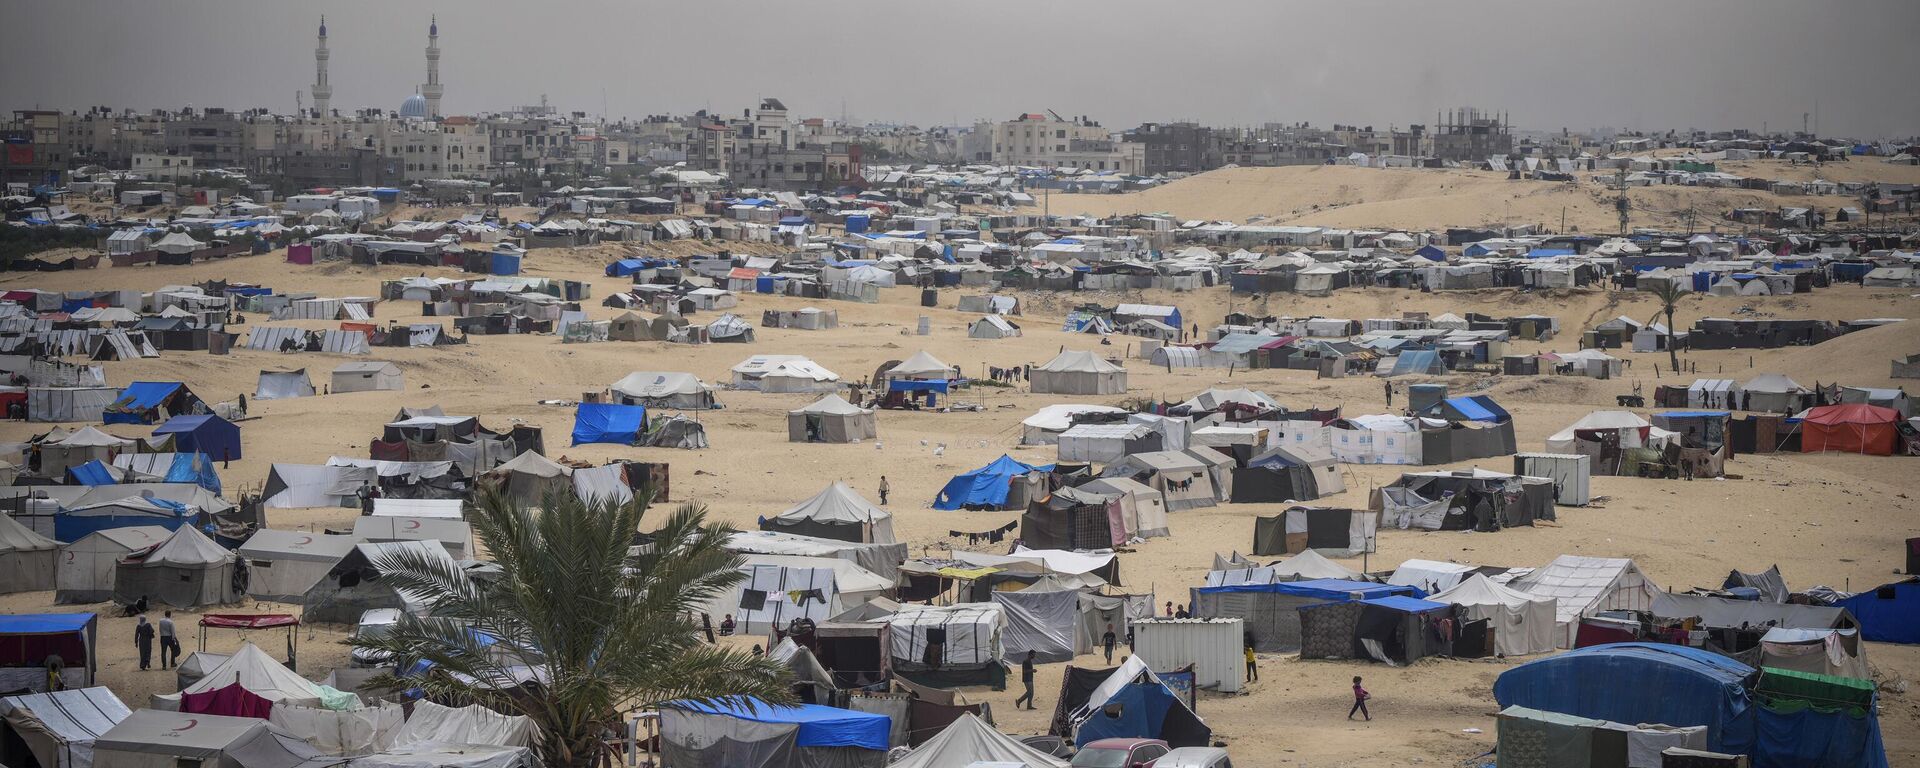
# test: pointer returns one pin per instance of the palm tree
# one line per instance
(603, 631)
(1669, 293)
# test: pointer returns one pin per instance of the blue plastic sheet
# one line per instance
(608, 423)
(1640, 683)
(983, 487)
(819, 726)
(1889, 613)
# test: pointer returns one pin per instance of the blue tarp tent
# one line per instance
(857, 224)
(91, 473)
(216, 437)
(1618, 682)
(1474, 408)
(27, 639)
(190, 467)
(1888, 614)
(141, 401)
(985, 487)
(1548, 253)
(74, 526)
(818, 726)
(625, 267)
(1143, 710)
(505, 264)
(608, 423)
(1431, 253)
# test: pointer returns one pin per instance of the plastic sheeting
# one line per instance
(59, 727)
(473, 724)
(1611, 682)
(1043, 622)
(970, 740)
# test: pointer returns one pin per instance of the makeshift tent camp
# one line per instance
(187, 570)
(831, 419)
(148, 738)
(216, 437)
(970, 741)
(259, 674)
(26, 558)
(1394, 629)
(1331, 532)
(1005, 483)
(1611, 439)
(57, 729)
(374, 376)
(748, 733)
(280, 385)
(1474, 499)
(836, 512)
(657, 389)
(1271, 610)
(1290, 472)
(1584, 586)
(151, 402)
(1045, 426)
(1104, 443)
(84, 570)
(1078, 372)
(1851, 428)
(283, 565)
(1520, 623)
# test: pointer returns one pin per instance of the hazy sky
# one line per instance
(1647, 64)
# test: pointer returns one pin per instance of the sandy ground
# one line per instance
(1836, 520)
(1424, 199)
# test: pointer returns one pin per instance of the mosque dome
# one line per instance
(414, 106)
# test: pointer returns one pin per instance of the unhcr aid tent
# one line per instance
(1521, 623)
(1584, 586)
(84, 570)
(151, 738)
(1078, 372)
(283, 565)
(992, 327)
(663, 389)
(187, 570)
(836, 512)
(1005, 483)
(970, 741)
(57, 729)
(280, 385)
(608, 423)
(831, 419)
(26, 558)
(530, 477)
(1045, 425)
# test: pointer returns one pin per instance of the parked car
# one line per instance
(1194, 757)
(373, 623)
(1120, 753)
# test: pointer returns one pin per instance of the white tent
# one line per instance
(257, 672)
(661, 389)
(970, 741)
(1143, 509)
(1079, 372)
(836, 512)
(187, 570)
(455, 535)
(369, 376)
(1213, 398)
(831, 419)
(1583, 586)
(922, 366)
(1775, 393)
(1045, 425)
(1714, 393)
(151, 738)
(992, 327)
(283, 565)
(1430, 575)
(83, 573)
(1105, 443)
(783, 373)
(972, 632)
(444, 509)
(178, 243)
(346, 733)
(26, 558)
(1521, 623)
(59, 728)
(279, 385)
(472, 724)
(1634, 432)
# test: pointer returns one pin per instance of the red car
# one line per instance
(1120, 753)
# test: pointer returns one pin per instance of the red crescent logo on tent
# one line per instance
(189, 726)
(413, 525)
(69, 557)
(304, 540)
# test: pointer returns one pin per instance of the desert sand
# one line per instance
(1823, 519)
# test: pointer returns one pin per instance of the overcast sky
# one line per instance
(1642, 64)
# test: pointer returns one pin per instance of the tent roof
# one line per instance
(1576, 581)
(1851, 413)
(1214, 397)
(163, 732)
(831, 405)
(188, 547)
(921, 364)
(15, 537)
(848, 576)
(819, 726)
(1477, 589)
(88, 437)
(1313, 565)
(1078, 361)
(270, 544)
(659, 384)
(1774, 383)
(75, 715)
(1054, 418)
(970, 740)
(259, 674)
(530, 463)
(837, 503)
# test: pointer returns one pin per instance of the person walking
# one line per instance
(1253, 672)
(883, 490)
(1360, 697)
(169, 642)
(143, 640)
(1108, 640)
(1389, 386)
(1026, 678)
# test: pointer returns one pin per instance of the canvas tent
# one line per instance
(970, 741)
(1584, 586)
(836, 512)
(783, 373)
(747, 733)
(57, 729)
(922, 366)
(1045, 425)
(280, 385)
(1183, 481)
(1330, 532)
(259, 674)
(150, 738)
(992, 327)
(1104, 443)
(1521, 623)
(1078, 372)
(530, 477)
(945, 646)
(456, 536)
(1775, 393)
(658, 389)
(372, 376)
(187, 570)
(831, 419)
(26, 558)
(283, 565)
(354, 585)
(1851, 428)
(84, 571)
(1291, 472)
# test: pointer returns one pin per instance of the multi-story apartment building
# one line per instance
(159, 167)
(1174, 147)
(1040, 139)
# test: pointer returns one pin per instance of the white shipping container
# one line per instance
(1212, 646)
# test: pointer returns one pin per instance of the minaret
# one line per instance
(322, 90)
(433, 89)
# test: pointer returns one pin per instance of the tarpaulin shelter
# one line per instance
(83, 445)
(608, 423)
(1104, 443)
(1583, 586)
(882, 559)
(260, 675)
(970, 741)
(432, 723)
(178, 467)
(216, 437)
(1473, 499)
(349, 733)
(1889, 613)
(1331, 532)
(1521, 623)
(26, 558)
(27, 639)
(1290, 472)
(1046, 425)
(1851, 428)
(1270, 611)
(1886, 398)
(151, 737)
(1043, 618)
(1183, 480)
(1078, 372)
(947, 646)
(355, 584)
(1070, 518)
(1142, 509)
(84, 570)
(1133, 702)
(1529, 737)
(831, 419)
(57, 729)
(283, 565)
(1004, 483)
(151, 402)
(187, 570)
(748, 733)
(836, 512)
(280, 385)
(1392, 629)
